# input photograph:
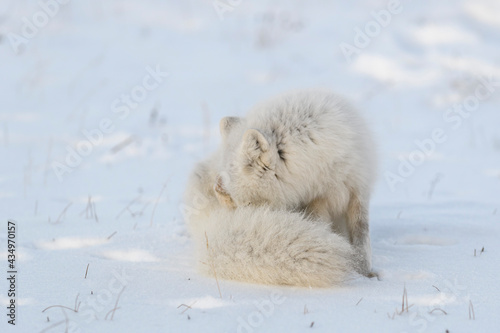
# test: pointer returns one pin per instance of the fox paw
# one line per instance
(373, 274)
(221, 194)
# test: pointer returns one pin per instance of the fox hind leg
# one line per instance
(359, 232)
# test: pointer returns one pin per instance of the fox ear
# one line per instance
(226, 124)
(256, 146)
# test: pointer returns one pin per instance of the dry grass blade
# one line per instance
(95, 213)
(123, 144)
(47, 163)
(405, 301)
(90, 211)
(438, 309)
(52, 326)
(63, 213)
(77, 305)
(88, 208)
(407, 308)
(128, 206)
(141, 212)
(434, 182)
(58, 306)
(212, 265)
(187, 307)
(112, 311)
(75, 309)
(472, 315)
(109, 237)
(156, 203)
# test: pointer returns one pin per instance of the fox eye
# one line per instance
(281, 154)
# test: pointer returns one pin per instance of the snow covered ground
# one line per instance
(97, 140)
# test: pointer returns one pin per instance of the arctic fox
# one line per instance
(285, 198)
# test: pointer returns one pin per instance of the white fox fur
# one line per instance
(286, 181)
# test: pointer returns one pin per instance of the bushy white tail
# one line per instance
(260, 245)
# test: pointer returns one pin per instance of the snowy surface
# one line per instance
(428, 228)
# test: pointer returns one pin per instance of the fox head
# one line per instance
(251, 165)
